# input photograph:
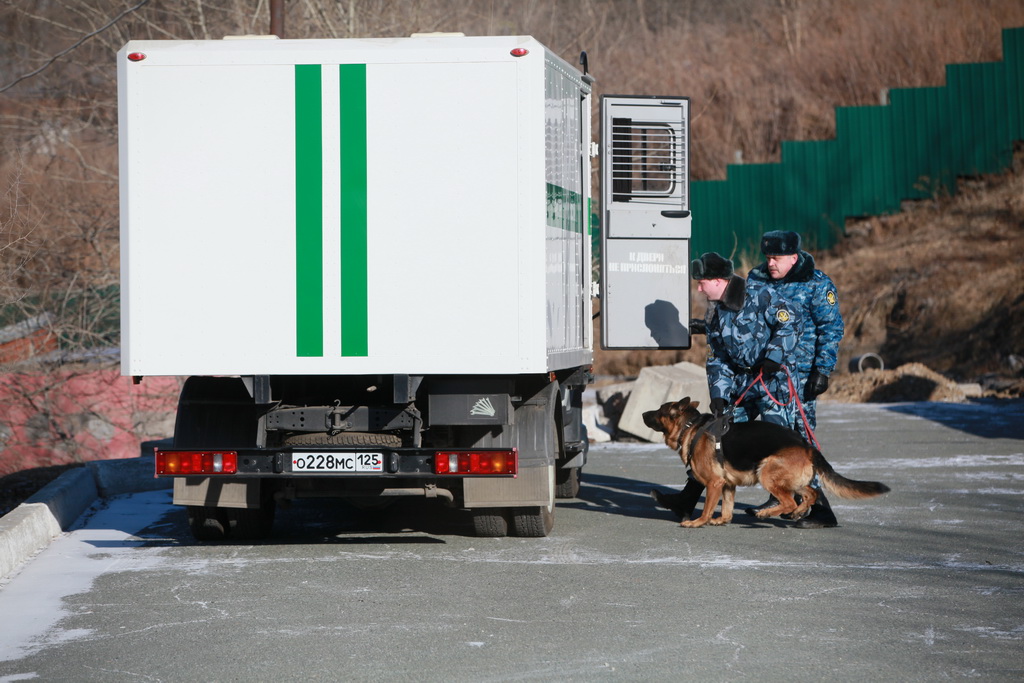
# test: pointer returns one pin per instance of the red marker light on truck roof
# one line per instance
(519, 52)
(476, 462)
(136, 56)
(196, 462)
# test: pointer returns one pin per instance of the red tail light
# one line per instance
(477, 462)
(196, 462)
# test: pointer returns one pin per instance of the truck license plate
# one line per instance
(337, 462)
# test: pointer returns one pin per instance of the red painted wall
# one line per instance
(70, 416)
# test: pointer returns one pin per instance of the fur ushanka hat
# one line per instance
(711, 266)
(780, 243)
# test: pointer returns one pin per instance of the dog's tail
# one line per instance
(843, 487)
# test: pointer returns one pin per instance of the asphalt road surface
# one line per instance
(923, 584)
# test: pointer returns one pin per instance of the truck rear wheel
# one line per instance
(207, 523)
(536, 522)
(533, 522)
(490, 522)
(251, 524)
(567, 482)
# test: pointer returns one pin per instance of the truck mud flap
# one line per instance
(532, 487)
(209, 492)
(534, 433)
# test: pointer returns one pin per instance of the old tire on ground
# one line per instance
(490, 522)
(207, 523)
(342, 439)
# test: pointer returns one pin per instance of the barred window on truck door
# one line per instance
(647, 161)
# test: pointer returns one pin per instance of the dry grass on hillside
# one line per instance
(940, 283)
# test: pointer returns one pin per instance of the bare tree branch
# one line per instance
(84, 38)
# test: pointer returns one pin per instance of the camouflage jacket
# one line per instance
(743, 329)
(813, 294)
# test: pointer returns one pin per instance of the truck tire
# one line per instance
(490, 522)
(533, 522)
(536, 522)
(342, 439)
(567, 482)
(250, 524)
(207, 523)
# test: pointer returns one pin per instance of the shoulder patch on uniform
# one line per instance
(782, 315)
(830, 297)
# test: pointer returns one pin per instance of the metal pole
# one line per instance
(277, 18)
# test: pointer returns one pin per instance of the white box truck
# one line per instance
(372, 260)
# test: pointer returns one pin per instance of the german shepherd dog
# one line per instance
(751, 452)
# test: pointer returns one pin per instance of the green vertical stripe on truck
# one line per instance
(309, 262)
(565, 209)
(354, 291)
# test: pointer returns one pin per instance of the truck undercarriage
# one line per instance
(502, 448)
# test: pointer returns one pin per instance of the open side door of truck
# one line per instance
(645, 236)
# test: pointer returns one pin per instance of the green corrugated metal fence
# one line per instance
(911, 148)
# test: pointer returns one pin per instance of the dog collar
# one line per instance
(685, 427)
(693, 442)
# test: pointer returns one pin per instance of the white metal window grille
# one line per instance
(648, 162)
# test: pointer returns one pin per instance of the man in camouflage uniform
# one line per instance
(749, 334)
(790, 271)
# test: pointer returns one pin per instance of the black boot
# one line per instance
(681, 503)
(771, 502)
(820, 516)
(792, 515)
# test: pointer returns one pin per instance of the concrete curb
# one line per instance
(31, 526)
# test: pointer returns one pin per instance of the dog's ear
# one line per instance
(682, 402)
(695, 404)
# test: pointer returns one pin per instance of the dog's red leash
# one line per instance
(793, 396)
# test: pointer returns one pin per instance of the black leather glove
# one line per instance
(770, 367)
(817, 384)
(718, 406)
(698, 326)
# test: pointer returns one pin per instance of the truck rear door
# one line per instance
(645, 227)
